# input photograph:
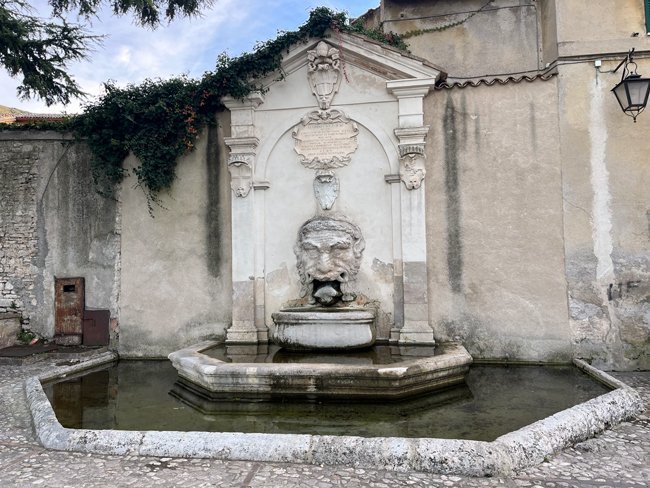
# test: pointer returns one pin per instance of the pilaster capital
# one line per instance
(251, 101)
(410, 98)
(411, 135)
(411, 87)
(242, 144)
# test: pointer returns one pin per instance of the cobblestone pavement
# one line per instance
(620, 457)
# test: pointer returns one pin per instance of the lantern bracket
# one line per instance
(626, 61)
(632, 91)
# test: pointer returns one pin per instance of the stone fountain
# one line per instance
(327, 317)
(331, 191)
(328, 250)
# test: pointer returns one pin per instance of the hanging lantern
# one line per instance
(632, 91)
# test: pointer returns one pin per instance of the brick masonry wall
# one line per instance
(18, 230)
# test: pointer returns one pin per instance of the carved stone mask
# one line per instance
(329, 253)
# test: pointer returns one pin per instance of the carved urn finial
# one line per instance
(324, 73)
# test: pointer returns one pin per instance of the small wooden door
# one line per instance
(95, 328)
(69, 303)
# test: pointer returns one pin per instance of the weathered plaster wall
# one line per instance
(604, 177)
(495, 223)
(607, 218)
(54, 224)
(469, 37)
(79, 232)
(605, 181)
(547, 19)
(175, 278)
(593, 26)
(538, 220)
(173, 289)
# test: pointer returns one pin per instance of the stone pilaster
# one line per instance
(411, 273)
(246, 307)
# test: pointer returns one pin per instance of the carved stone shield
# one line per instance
(326, 189)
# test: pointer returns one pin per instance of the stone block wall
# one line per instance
(10, 325)
(18, 232)
(53, 224)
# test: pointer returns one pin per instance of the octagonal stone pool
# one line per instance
(451, 431)
(143, 395)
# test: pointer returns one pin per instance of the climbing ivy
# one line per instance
(440, 28)
(159, 120)
(378, 34)
(156, 120)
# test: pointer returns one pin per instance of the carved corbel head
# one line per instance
(412, 170)
(241, 174)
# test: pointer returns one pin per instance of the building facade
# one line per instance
(531, 209)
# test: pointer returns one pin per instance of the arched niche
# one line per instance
(364, 197)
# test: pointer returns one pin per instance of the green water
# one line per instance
(134, 395)
(378, 354)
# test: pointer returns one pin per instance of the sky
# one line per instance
(129, 53)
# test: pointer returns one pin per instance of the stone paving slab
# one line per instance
(26, 355)
(617, 458)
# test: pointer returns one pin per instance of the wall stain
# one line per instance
(533, 126)
(477, 133)
(453, 204)
(383, 271)
(213, 187)
(464, 116)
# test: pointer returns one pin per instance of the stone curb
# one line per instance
(411, 375)
(525, 447)
(532, 444)
(50, 355)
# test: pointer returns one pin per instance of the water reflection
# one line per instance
(134, 395)
(86, 400)
(270, 353)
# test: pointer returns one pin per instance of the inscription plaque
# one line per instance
(325, 139)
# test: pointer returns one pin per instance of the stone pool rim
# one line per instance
(516, 450)
(394, 381)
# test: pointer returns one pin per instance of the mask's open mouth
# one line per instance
(327, 292)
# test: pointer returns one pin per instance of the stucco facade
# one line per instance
(175, 266)
(496, 227)
(536, 217)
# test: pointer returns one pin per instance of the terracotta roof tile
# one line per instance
(492, 81)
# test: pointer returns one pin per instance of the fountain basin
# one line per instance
(324, 328)
(218, 380)
(522, 448)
